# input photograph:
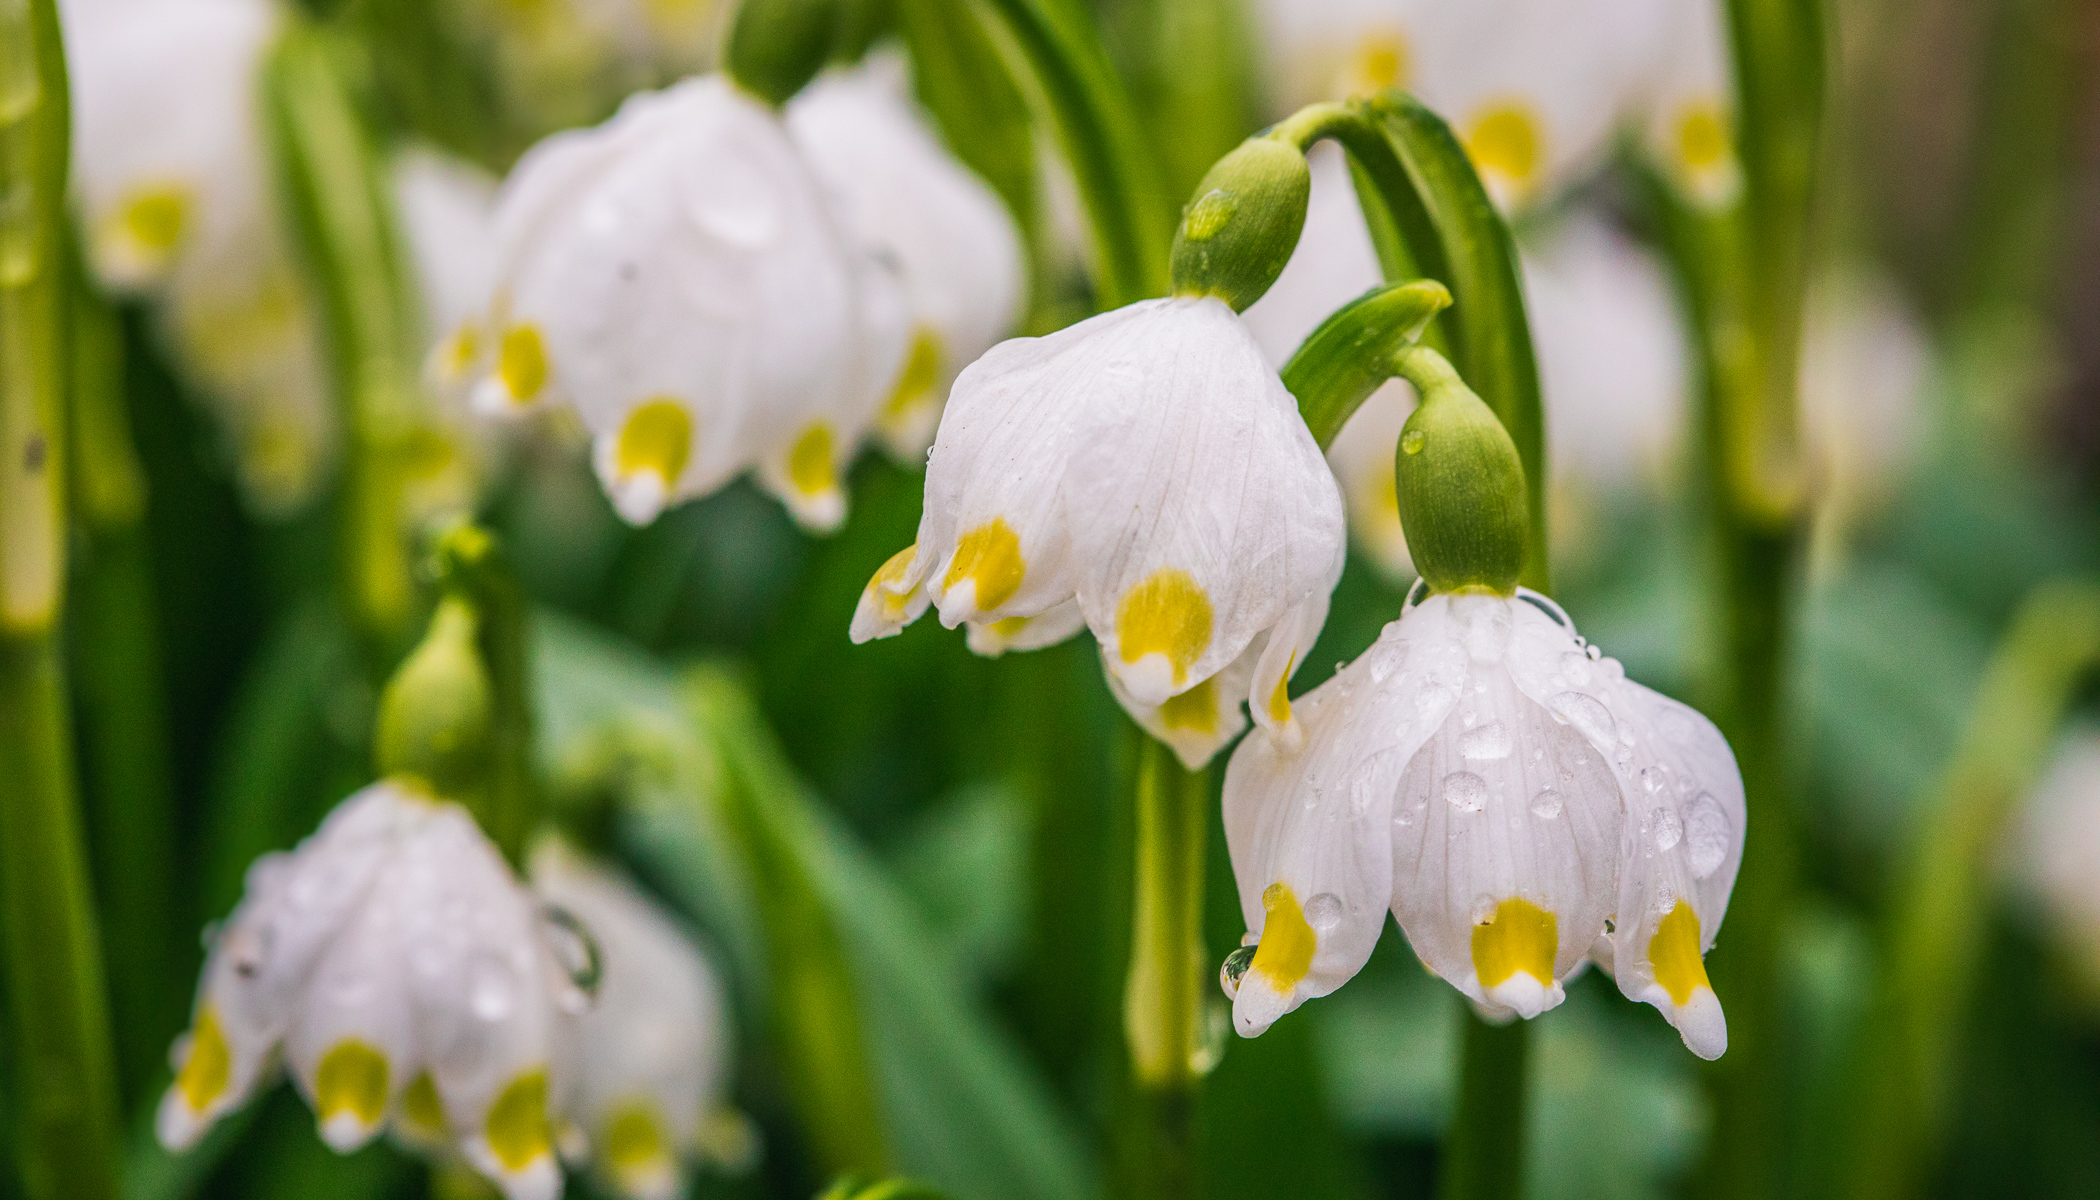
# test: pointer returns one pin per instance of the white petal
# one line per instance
(1283, 651)
(352, 1046)
(1047, 628)
(1199, 506)
(895, 597)
(1506, 825)
(1309, 829)
(1201, 721)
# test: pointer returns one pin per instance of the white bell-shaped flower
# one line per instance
(401, 973)
(1147, 467)
(1689, 129)
(677, 276)
(955, 247)
(1333, 264)
(653, 1051)
(1512, 797)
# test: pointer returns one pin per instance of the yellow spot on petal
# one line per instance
(809, 463)
(657, 437)
(1381, 60)
(517, 1127)
(422, 1109)
(1195, 710)
(1506, 140)
(1702, 139)
(156, 219)
(1521, 936)
(633, 1139)
(1674, 953)
(1287, 942)
(208, 1067)
(461, 349)
(1010, 627)
(1280, 699)
(991, 555)
(885, 583)
(352, 1078)
(521, 362)
(920, 376)
(1166, 614)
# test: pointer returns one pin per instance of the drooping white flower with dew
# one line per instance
(653, 1053)
(1689, 124)
(176, 202)
(955, 247)
(677, 276)
(1146, 467)
(1535, 89)
(2056, 852)
(394, 965)
(1511, 797)
(1333, 264)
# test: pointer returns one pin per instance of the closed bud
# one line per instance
(1240, 229)
(435, 717)
(1460, 484)
(777, 46)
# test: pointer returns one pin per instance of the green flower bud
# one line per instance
(1460, 483)
(435, 717)
(777, 46)
(1243, 224)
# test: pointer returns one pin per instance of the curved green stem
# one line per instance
(1163, 1004)
(61, 1070)
(345, 227)
(1089, 110)
(471, 562)
(1899, 1098)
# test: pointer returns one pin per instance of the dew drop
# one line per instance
(1465, 791)
(1576, 666)
(1490, 741)
(1706, 834)
(1324, 911)
(1547, 804)
(1668, 829)
(1236, 964)
(490, 990)
(1412, 440)
(1587, 714)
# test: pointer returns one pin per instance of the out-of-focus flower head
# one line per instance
(1689, 104)
(906, 199)
(677, 276)
(177, 204)
(1865, 363)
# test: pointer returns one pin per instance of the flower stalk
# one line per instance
(62, 1071)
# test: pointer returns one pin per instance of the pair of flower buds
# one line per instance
(1520, 806)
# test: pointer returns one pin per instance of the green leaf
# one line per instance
(1352, 353)
(964, 82)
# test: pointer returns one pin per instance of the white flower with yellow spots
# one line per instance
(401, 973)
(168, 153)
(676, 275)
(1690, 125)
(1515, 801)
(1143, 472)
(906, 199)
(1338, 48)
(447, 208)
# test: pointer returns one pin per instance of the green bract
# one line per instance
(436, 715)
(777, 46)
(1459, 483)
(1243, 224)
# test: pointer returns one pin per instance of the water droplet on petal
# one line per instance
(1575, 665)
(1668, 829)
(1706, 834)
(1587, 714)
(1324, 911)
(1236, 964)
(1547, 804)
(1465, 791)
(491, 992)
(1490, 741)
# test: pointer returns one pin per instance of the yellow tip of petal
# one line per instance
(207, 1068)
(1519, 937)
(1674, 954)
(518, 1132)
(989, 555)
(1507, 141)
(1285, 952)
(351, 1082)
(1166, 613)
(521, 363)
(1193, 711)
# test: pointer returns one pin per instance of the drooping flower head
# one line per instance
(394, 965)
(1516, 802)
(676, 275)
(905, 198)
(653, 1052)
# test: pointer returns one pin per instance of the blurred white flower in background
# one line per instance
(949, 237)
(1687, 106)
(1865, 364)
(653, 1053)
(1518, 804)
(678, 276)
(403, 975)
(2055, 853)
(178, 205)
(1143, 473)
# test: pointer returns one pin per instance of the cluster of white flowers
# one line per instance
(717, 287)
(408, 982)
(173, 186)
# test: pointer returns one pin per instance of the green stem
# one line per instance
(1163, 1005)
(472, 562)
(61, 1069)
(114, 646)
(1484, 1152)
(1900, 1098)
(814, 1001)
(345, 226)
